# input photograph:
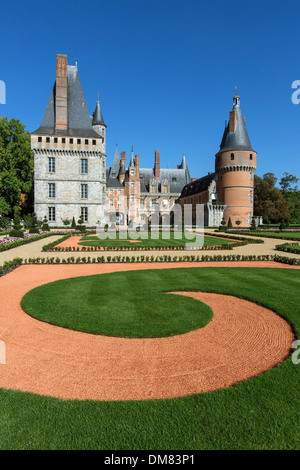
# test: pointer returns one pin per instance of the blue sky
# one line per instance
(166, 72)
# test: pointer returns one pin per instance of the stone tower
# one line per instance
(235, 166)
(69, 153)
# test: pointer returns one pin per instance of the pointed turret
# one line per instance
(131, 163)
(235, 166)
(235, 136)
(114, 171)
(97, 116)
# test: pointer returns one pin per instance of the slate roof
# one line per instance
(239, 139)
(79, 121)
(199, 185)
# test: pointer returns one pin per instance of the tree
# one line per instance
(269, 202)
(291, 194)
(16, 166)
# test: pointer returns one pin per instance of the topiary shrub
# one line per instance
(16, 233)
(229, 225)
(73, 224)
(45, 226)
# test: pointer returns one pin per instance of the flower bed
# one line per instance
(289, 247)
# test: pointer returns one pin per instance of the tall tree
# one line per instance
(16, 165)
(291, 194)
(269, 202)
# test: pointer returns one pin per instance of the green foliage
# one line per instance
(229, 223)
(16, 165)
(269, 202)
(67, 222)
(45, 225)
(73, 225)
(17, 233)
(34, 226)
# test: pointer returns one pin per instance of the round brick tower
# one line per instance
(235, 167)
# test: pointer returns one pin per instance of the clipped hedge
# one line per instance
(10, 265)
(160, 259)
(289, 247)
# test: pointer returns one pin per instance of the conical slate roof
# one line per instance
(79, 121)
(97, 116)
(114, 171)
(238, 139)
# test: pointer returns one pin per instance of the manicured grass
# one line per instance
(117, 304)
(289, 248)
(268, 234)
(260, 413)
(93, 240)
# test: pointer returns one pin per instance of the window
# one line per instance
(132, 184)
(84, 191)
(153, 202)
(251, 156)
(48, 140)
(84, 214)
(111, 202)
(251, 176)
(132, 172)
(51, 162)
(232, 156)
(132, 199)
(55, 140)
(94, 142)
(174, 179)
(51, 190)
(63, 140)
(40, 139)
(71, 141)
(78, 141)
(84, 165)
(200, 199)
(51, 214)
(119, 203)
(111, 192)
(86, 141)
(142, 203)
(119, 191)
(251, 196)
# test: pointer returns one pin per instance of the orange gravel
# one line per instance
(74, 242)
(241, 341)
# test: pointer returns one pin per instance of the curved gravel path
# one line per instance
(241, 341)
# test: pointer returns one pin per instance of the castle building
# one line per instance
(69, 153)
(134, 192)
(71, 178)
(229, 191)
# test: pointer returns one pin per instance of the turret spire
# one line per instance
(97, 116)
(235, 136)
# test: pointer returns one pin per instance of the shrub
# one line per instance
(16, 233)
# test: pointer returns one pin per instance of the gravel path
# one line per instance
(242, 340)
(34, 249)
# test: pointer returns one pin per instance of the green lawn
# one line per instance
(261, 233)
(260, 413)
(93, 240)
(117, 304)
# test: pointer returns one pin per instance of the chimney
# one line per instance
(137, 164)
(123, 159)
(157, 165)
(61, 92)
(232, 120)
(194, 179)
